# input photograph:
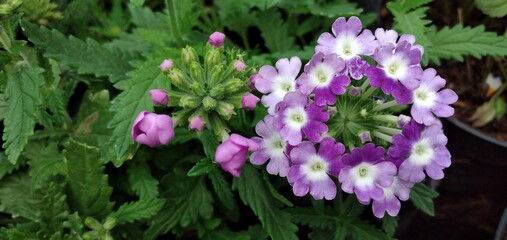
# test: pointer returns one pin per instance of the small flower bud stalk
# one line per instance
(159, 97)
(189, 55)
(216, 39)
(218, 91)
(240, 66)
(176, 77)
(110, 223)
(196, 72)
(196, 124)
(234, 85)
(189, 102)
(212, 57)
(225, 109)
(209, 103)
(249, 101)
(166, 65)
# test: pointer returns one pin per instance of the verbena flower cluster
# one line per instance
(343, 99)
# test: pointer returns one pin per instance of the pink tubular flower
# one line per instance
(249, 101)
(239, 66)
(196, 124)
(216, 39)
(390, 203)
(166, 65)
(232, 153)
(310, 171)
(152, 129)
(159, 97)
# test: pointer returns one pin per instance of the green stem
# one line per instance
(386, 118)
(383, 136)
(504, 85)
(385, 105)
(365, 84)
(340, 200)
(173, 21)
(350, 146)
(368, 93)
(4, 38)
(388, 130)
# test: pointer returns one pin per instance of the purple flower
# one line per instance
(278, 83)
(196, 124)
(348, 43)
(295, 117)
(428, 100)
(249, 101)
(386, 37)
(321, 76)
(159, 97)
(152, 129)
(420, 149)
(252, 80)
(389, 203)
(365, 172)
(398, 70)
(166, 65)
(232, 153)
(216, 39)
(272, 148)
(310, 171)
(239, 66)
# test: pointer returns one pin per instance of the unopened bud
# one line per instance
(189, 55)
(249, 101)
(355, 91)
(212, 57)
(176, 77)
(216, 39)
(234, 85)
(217, 91)
(189, 102)
(239, 65)
(196, 124)
(110, 223)
(166, 65)
(225, 109)
(365, 136)
(209, 103)
(196, 71)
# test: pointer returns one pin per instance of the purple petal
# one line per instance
(300, 154)
(289, 68)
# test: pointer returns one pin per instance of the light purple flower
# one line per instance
(275, 84)
(310, 171)
(390, 203)
(216, 39)
(348, 43)
(196, 124)
(398, 70)
(321, 76)
(232, 153)
(386, 37)
(365, 171)
(152, 129)
(420, 149)
(295, 117)
(159, 97)
(402, 120)
(249, 101)
(166, 65)
(252, 80)
(272, 148)
(239, 66)
(428, 100)
(365, 136)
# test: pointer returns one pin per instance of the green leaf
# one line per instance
(54, 209)
(7, 167)
(226, 235)
(146, 18)
(201, 167)
(222, 188)
(422, 197)
(17, 197)
(310, 217)
(140, 210)
(24, 97)
(4, 106)
(137, 3)
(134, 99)
(142, 182)
(459, 41)
(389, 224)
(275, 34)
(87, 57)
(188, 199)
(493, 8)
(45, 161)
(500, 108)
(89, 191)
(254, 193)
(209, 143)
(183, 135)
(335, 10)
(362, 230)
(407, 5)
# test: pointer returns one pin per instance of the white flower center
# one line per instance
(422, 153)
(424, 97)
(321, 75)
(315, 169)
(283, 85)
(347, 47)
(296, 118)
(274, 145)
(364, 175)
(395, 67)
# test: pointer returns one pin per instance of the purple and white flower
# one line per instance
(296, 116)
(321, 75)
(272, 148)
(348, 43)
(277, 83)
(390, 203)
(365, 172)
(386, 37)
(420, 149)
(429, 99)
(310, 171)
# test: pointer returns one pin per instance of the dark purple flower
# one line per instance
(152, 129)
(390, 203)
(310, 171)
(420, 149)
(232, 153)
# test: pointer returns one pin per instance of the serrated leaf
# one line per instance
(493, 8)
(134, 99)
(4, 106)
(222, 188)
(137, 3)
(142, 182)
(182, 135)
(188, 199)
(254, 193)
(209, 143)
(89, 191)
(360, 230)
(45, 161)
(200, 168)
(7, 167)
(459, 41)
(54, 209)
(389, 224)
(146, 18)
(275, 34)
(310, 217)
(226, 235)
(139, 210)
(335, 10)
(422, 197)
(24, 97)
(87, 57)
(17, 197)
(407, 5)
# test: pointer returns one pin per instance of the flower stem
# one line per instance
(173, 21)
(386, 118)
(385, 105)
(368, 93)
(383, 136)
(365, 84)
(388, 130)
(504, 85)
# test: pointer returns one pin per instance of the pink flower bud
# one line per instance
(239, 65)
(159, 97)
(252, 80)
(196, 124)
(152, 129)
(216, 39)
(249, 101)
(166, 65)
(232, 153)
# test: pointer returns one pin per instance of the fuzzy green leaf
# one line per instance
(222, 188)
(422, 197)
(140, 210)
(87, 57)
(17, 197)
(146, 18)
(407, 5)
(4, 106)
(209, 143)
(310, 217)
(89, 191)
(200, 168)
(54, 209)
(389, 224)
(275, 34)
(142, 182)
(24, 97)
(362, 230)
(494, 8)
(458, 41)
(255, 194)
(7, 167)
(45, 161)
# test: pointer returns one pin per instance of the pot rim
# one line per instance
(476, 132)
